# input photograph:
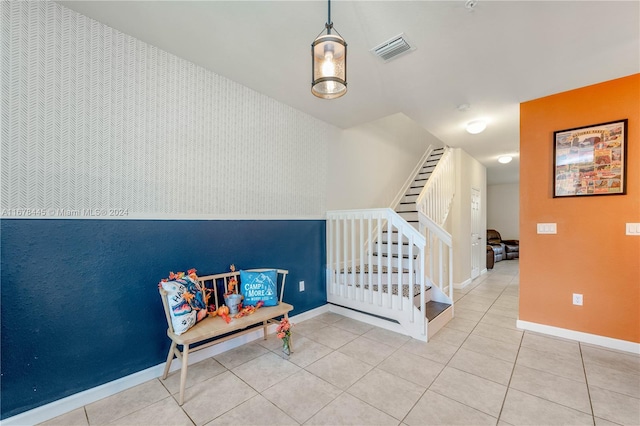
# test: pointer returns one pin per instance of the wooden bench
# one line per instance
(200, 335)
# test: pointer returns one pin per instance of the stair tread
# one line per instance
(434, 309)
(395, 256)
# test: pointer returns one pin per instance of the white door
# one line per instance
(476, 250)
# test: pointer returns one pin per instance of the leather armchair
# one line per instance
(502, 249)
(490, 257)
(512, 248)
(495, 241)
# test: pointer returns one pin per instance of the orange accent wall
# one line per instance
(590, 254)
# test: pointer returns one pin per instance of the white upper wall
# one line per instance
(96, 119)
(368, 164)
(503, 210)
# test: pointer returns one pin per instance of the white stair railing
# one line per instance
(435, 198)
(367, 273)
(433, 205)
(439, 252)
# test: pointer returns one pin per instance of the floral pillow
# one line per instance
(257, 286)
(186, 298)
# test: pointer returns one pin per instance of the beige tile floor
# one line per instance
(479, 369)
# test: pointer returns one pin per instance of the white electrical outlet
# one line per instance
(301, 284)
(577, 299)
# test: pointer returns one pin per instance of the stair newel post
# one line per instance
(423, 289)
(400, 265)
(340, 266)
(379, 258)
(412, 271)
(331, 269)
(370, 259)
(353, 258)
(389, 265)
(361, 257)
(345, 254)
(451, 271)
(441, 264)
(431, 252)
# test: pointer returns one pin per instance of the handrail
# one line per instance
(387, 211)
(433, 205)
(412, 176)
(438, 230)
(435, 198)
(439, 251)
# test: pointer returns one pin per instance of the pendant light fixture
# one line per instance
(329, 62)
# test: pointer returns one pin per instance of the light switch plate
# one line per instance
(547, 228)
(633, 229)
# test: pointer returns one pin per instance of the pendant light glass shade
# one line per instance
(329, 64)
(329, 60)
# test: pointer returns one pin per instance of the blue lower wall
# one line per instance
(80, 304)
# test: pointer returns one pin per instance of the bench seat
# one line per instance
(211, 327)
(213, 330)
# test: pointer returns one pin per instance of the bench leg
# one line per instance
(183, 373)
(169, 359)
(265, 325)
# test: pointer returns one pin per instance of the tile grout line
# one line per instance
(333, 324)
(510, 378)
(517, 353)
(515, 361)
(586, 379)
(460, 346)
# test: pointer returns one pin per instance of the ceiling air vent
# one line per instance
(393, 48)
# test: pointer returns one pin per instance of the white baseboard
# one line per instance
(463, 284)
(594, 339)
(80, 399)
(368, 319)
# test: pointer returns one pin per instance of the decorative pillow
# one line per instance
(257, 286)
(186, 302)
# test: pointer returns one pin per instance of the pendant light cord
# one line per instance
(329, 25)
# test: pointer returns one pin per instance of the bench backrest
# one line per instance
(219, 282)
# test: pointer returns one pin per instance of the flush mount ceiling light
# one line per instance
(476, 126)
(329, 62)
(504, 159)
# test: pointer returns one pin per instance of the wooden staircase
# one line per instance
(381, 261)
(407, 208)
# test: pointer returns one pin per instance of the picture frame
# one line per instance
(590, 160)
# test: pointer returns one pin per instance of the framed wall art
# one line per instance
(590, 160)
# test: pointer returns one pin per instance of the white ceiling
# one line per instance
(492, 58)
